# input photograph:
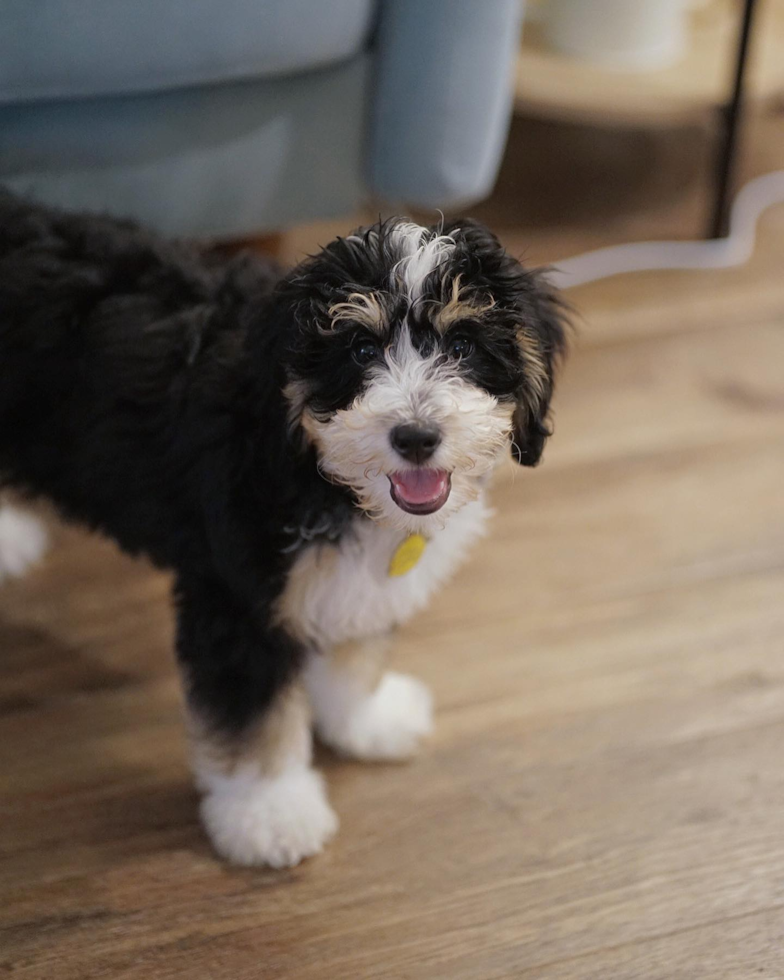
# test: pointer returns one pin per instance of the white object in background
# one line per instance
(23, 541)
(641, 35)
(719, 253)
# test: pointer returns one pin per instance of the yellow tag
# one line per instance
(407, 555)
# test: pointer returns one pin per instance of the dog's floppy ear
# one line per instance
(537, 319)
(541, 338)
(528, 437)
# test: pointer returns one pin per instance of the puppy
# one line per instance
(308, 453)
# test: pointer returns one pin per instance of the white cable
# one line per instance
(719, 253)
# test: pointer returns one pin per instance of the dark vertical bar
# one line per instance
(730, 122)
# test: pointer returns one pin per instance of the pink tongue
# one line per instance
(420, 486)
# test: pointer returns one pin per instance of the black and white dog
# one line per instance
(308, 453)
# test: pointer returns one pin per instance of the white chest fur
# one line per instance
(344, 592)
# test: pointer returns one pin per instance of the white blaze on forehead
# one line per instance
(417, 259)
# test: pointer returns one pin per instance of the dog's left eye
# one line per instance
(365, 351)
(460, 347)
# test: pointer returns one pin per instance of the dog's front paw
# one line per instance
(276, 821)
(23, 541)
(388, 724)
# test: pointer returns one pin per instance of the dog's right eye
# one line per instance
(365, 351)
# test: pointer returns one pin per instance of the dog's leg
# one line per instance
(23, 541)
(263, 802)
(362, 710)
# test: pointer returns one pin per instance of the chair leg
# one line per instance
(731, 117)
(270, 245)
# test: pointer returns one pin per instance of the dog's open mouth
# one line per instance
(420, 491)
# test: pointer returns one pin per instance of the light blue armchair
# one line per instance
(226, 119)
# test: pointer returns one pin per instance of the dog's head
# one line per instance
(417, 357)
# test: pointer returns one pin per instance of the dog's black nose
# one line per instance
(415, 441)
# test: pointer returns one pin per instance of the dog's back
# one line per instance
(101, 328)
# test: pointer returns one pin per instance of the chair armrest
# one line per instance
(442, 99)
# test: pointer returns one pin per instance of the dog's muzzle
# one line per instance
(421, 490)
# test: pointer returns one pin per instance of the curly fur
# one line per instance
(212, 415)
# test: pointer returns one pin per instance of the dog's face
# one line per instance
(419, 357)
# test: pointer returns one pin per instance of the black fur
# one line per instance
(362, 263)
(127, 397)
(142, 391)
(522, 296)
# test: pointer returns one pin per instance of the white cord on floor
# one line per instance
(719, 253)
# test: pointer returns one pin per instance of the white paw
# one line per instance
(23, 541)
(276, 821)
(388, 724)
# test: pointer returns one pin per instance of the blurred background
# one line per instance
(606, 120)
(603, 798)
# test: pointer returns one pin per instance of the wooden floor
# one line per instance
(604, 797)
